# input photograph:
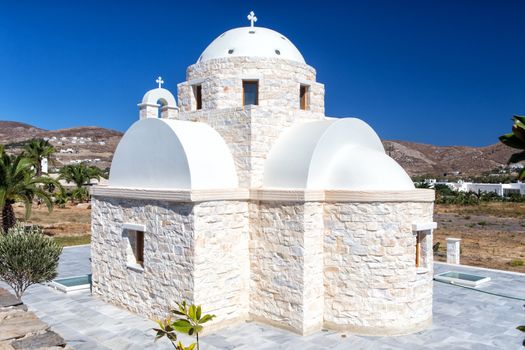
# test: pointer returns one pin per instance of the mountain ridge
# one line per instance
(96, 145)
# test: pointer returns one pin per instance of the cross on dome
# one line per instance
(252, 18)
(159, 81)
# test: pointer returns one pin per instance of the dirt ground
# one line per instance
(493, 234)
(69, 221)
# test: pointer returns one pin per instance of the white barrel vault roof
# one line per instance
(172, 154)
(335, 154)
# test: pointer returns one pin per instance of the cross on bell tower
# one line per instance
(159, 81)
(252, 18)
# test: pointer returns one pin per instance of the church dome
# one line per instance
(252, 42)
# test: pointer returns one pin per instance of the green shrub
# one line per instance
(60, 199)
(189, 320)
(27, 257)
(516, 262)
(79, 194)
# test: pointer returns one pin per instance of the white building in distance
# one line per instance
(499, 189)
(245, 198)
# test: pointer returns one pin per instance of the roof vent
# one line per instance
(278, 52)
(252, 32)
(230, 51)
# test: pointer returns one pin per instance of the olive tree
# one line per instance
(27, 257)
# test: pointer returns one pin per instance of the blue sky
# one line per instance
(440, 72)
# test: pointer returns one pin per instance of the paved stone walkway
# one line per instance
(463, 319)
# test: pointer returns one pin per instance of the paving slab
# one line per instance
(463, 319)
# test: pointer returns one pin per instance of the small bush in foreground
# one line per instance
(517, 262)
(27, 257)
(189, 321)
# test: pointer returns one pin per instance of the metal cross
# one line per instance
(159, 81)
(252, 18)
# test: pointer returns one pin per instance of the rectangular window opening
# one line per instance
(197, 94)
(250, 92)
(136, 242)
(304, 92)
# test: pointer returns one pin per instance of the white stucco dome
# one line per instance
(252, 42)
(172, 154)
(343, 154)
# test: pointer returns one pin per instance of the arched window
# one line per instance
(161, 102)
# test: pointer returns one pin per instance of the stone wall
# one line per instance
(234, 125)
(286, 269)
(221, 273)
(371, 282)
(250, 131)
(296, 264)
(195, 252)
(221, 81)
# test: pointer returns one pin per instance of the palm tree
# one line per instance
(516, 139)
(81, 175)
(19, 183)
(36, 150)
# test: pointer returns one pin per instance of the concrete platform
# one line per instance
(463, 319)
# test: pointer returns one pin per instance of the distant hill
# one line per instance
(96, 146)
(421, 159)
(14, 131)
(90, 144)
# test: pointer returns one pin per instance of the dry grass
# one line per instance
(492, 234)
(68, 221)
(65, 241)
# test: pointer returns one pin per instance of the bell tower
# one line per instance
(250, 84)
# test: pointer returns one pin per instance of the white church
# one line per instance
(242, 196)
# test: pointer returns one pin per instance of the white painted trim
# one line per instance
(306, 82)
(421, 270)
(254, 77)
(424, 226)
(479, 268)
(197, 81)
(134, 227)
(134, 267)
(148, 105)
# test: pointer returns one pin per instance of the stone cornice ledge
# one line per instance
(171, 194)
(416, 195)
(278, 195)
(268, 194)
(292, 195)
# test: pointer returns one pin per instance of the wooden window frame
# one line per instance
(418, 248)
(244, 83)
(138, 247)
(304, 99)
